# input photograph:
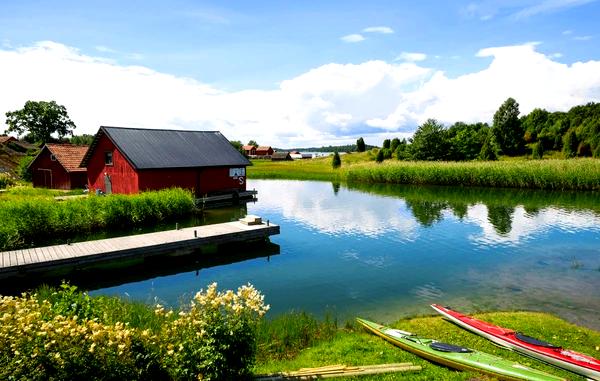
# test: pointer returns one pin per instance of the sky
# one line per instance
(297, 73)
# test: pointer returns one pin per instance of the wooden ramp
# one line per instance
(181, 241)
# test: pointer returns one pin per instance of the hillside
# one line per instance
(12, 153)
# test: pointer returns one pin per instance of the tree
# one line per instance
(360, 145)
(379, 157)
(570, 143)
(394, 144)
(386, 143)
(253, 143)
(40, 120)
(537, 150)
(336, 162)
(82, 140)
(488, 150)
(430, 142)
(507, 128)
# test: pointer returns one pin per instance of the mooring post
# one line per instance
(195, 234)
(267, 222)
(176, 225)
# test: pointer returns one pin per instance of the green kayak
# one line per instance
(457, 357)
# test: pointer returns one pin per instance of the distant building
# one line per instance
(57, 167)
(249, 150)
(297, 155)
(130, 160)
(264, 151)
(281, 156)
(7, 139)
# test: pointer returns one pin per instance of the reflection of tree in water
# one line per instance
(501, 218)
(426, 212)
(336, 188)
(531, 211)
(459, 209)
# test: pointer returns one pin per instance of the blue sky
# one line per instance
(239, 46)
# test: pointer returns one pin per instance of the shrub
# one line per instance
(336, 162)
(23, 168)
(380, 157)
(537, 150)
(570, 143)
(6, 180)
(67, 336)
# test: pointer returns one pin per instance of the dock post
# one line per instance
(267, 222)
(195, 234)
(176, 225)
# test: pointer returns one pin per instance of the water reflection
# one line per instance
(389, 251)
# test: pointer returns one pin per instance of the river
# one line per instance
(385, 252)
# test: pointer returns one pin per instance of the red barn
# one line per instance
(130, 160)
(264, 151)
(249, 150)
(57, 166)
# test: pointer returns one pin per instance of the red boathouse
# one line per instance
(130, 160)
(57, 166)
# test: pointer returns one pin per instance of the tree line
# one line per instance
(576, 133)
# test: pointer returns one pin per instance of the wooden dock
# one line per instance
(178, 242)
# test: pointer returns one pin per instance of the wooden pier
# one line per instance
(177, 242)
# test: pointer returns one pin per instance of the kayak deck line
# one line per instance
(559, 357)
(475, 361)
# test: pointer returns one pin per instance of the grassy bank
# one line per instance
(30, 217)
(572, 174)
(112, 338)
(354, 346)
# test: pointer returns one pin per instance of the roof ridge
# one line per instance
(158, 129)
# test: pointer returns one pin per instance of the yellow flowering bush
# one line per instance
(70, 336)
(214, 338)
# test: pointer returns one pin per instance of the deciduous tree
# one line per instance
(507, 128)
(40, 120)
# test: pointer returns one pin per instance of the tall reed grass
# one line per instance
(28, 221)
(577, 174)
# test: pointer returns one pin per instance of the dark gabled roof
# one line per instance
(155, 149)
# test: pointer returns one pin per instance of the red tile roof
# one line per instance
(247, 148)
(68, 155)
(5, 139)
(263, 148)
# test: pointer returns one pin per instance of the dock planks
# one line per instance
(40, 259)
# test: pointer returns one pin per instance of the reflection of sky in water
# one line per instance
(354, 253)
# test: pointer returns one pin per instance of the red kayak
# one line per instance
(564, 358)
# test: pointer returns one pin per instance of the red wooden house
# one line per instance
(130, 160)
(264, 151)
(57, 166)
(4, 139)
(249, 150)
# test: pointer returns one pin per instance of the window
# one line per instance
(52, 157)
(108, 158)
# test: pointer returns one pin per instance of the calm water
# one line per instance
(389, 251)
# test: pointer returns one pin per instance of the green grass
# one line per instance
(34, 218)
(6, 180)
(354, 346)
(555, 174)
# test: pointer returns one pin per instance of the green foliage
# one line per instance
(6, 180)
(570, 143)
(82, 140)
(23, 168)
(288, 334)
(336, 161)
(252, 143)
(40, 120)
(507, 128)
(380, 157)
(466, 140)
(394, 144)
(537, 150)
(596, 152)
(360, 145)
(34, 221)
(65, 335)
(488, 149)
(386, 144)
(583, 174)
(430, 141)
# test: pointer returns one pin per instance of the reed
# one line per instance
(576, 174)
(29, 221)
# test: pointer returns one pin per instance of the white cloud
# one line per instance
(548, 6)
(411, 57)
(353, 38)
(582, 38)
(567, 32)
(104, 49)
(378, 29)
(556, 55)
(330, 104)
